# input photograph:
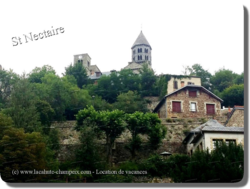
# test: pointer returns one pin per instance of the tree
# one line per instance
(21, 151)
(156, 131)
(46, 114)
(130, 102)
(239, 79)
(199, 71)
(111, 123)
(233, 95)
(136, 124)
(222, 79)
(87, 154)
(21, 106)
(79, 72)
(7, 80)
(5, 123)
(148, 80)
(224, 164)
(36, 75)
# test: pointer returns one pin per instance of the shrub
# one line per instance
(169, 120)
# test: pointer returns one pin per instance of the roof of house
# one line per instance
(232, 112)
(94, 68)
(97, 77)
(187, 86)
(141, 40)
(210, 126)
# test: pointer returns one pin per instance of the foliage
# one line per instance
(5, 123)
(224, 164)
(79, 72)
(7, 80)
(233, 95)
(130, 102)
(37, 74)
(109, 122)
(21, 107)
(46, 114)
(239, 79)
(148, 80)
(87, 154)
(222, 79)
(156, 131)
(21, 151)
(199, 71)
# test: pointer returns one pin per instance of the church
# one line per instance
(141, 54)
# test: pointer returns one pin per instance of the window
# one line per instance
(175, 85)
(79, 61)
(210, 109)
(192, 94)
(230, 141)
(193, 107)
(217, 142)
(190, 83)
(182, 83)
(176, 106)
(88, 64)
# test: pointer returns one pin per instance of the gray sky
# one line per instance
(180, 33)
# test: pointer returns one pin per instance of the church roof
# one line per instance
(141, 40)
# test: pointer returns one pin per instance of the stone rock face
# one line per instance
(237, 119)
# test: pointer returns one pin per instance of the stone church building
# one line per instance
(141, 54)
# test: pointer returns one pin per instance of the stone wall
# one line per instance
(182, 96)
(152, 102)
(237, 119)
(195, 80)
(176, 129)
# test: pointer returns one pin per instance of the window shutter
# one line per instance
(192, 93)
(210, 109)
(176, 106)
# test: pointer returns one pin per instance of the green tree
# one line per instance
(148, 80)
(156, 131)
(222, 79)
(199, 71)
(130, 102)
(239, 79)
(21, 151)
(46, 114)
(79, 72)
(136, 124)
(87, 154)
(111, 123)
(233, 95)
(36, 75)
(21, 106)
(7, 80)
(5, 123)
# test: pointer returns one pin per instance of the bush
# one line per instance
(169, 120)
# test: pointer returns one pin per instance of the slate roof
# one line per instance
(141, 40)
(210, 126)
(223, 129)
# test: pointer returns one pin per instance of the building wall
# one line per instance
(208, 138)
(195, 80)
(237, 119)
(142, 53)
(182, 96)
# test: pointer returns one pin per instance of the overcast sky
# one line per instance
(181, 33)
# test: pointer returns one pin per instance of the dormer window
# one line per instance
(192, 94)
